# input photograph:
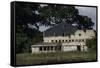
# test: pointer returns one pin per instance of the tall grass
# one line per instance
(58, 57)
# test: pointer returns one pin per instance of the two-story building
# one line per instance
(63, 37)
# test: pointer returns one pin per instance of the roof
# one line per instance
(44, 44)
(60, 29)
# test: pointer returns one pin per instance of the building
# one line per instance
(63, 37)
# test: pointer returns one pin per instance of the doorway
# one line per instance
(79, 48)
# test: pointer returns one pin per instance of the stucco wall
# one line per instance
(69, 43)
(69, 48)
(35, 49)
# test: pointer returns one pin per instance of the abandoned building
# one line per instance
(63, 37)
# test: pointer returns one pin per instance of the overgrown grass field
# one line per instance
(51, 58)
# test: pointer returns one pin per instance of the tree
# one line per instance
(25, 14)
(91, 43)
(26, 38)
(55, 14)
(84, 22)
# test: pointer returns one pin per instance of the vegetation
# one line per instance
(30, 16)
(92, 43)
(51, 58)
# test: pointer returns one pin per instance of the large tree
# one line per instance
(54, 14)
(25, 17)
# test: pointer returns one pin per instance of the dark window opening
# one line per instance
(51, 47)
(62, 40)
(40, 48)
(79, 48)
(79, 34)
(56, 41)
(59, 41)
(52, 40)
(69, 40)
(83, 40)
(44, 48)
(72, 40)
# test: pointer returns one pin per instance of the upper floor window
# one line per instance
(66, 40)
(79, 34)
(56, 41)
(69, 40)
(62, 40)
(59, 41)
(83, 40)
(72, 40)
(52, 40)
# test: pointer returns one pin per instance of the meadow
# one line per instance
(54, 58)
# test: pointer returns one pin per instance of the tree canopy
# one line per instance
(50, 14)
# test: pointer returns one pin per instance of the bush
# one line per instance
(91, 43)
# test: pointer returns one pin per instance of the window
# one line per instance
(40, 48)
(69, 40)
(62, 40)
(66, 40)
(52, 40)
(59, 41)
(79, 34)
(72, 40)
(51, 47)
(56, 41)
(82, 40)
(44, 48)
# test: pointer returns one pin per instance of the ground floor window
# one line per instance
(40, 48)
(50, 48)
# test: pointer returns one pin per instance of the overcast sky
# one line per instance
(86, 11)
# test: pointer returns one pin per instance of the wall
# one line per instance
(35, 49)
(78, 39)
(69, 48)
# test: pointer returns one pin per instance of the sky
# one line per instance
(85, 11)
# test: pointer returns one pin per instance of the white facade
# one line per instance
(78, 36)
(73, 42)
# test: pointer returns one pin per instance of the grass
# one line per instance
(51, 58)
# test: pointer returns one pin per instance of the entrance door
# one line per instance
(79, 48)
